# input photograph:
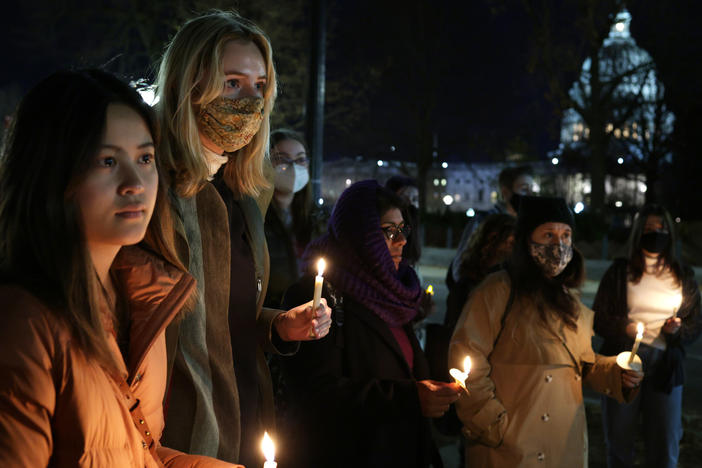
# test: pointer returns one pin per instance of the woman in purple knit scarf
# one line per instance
(361, 396)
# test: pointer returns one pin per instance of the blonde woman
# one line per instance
(217, 86)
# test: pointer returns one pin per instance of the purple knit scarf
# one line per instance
(359, 262)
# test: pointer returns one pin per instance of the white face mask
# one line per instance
(291, 179)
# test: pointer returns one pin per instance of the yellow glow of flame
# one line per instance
(639, 330)
(321, 265)
(268, 447)
(467, 365)
(678, 301)
(430, 289)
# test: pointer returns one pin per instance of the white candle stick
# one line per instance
(268, 451)
(678, 302)
(461, 376)
(637, 342)
(318, 282)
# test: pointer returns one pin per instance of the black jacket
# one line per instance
(612, 318)
(281, 248)
(352, 398)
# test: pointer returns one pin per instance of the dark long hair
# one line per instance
(553, 293)
(483, 244)
(667, 258)
(55, 134)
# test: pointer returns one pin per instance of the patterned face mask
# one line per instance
(552, 258)
(231, 123)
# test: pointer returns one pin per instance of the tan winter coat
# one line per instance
(525, 406)
(58, 408)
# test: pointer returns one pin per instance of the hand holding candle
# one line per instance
(461, 376)
(268, 451)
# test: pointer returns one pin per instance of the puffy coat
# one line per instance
(525, 406)
(58, 407)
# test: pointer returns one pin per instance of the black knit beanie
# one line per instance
(535, 211)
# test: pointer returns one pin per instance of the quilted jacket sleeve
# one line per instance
(30, 370)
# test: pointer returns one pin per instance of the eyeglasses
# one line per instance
(278, 160)
(392, 232)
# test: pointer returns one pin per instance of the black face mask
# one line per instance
(655, 241)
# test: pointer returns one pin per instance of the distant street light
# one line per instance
(444, 164)
(620, 161)
(579, 207)
(380, 163)
(348, 182)
(448, 200)
(470, 212)
(554, 161)
(320, 202)
(618, 204)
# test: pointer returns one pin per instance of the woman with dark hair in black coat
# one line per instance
(653, 288)
(361, 396)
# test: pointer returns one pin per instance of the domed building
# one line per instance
(620, 91)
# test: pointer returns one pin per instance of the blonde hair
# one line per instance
(191, 75)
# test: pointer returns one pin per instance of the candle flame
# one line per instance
(321, 265)
(467, 365)
(430, 289)
(639, 330)
(268, 447)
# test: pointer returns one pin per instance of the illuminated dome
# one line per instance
(628, 69)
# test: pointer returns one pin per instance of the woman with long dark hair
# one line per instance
(83, 356)
(651, 287)
(528, 336)
(361, 396)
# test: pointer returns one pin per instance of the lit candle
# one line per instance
(318, 282)
(430, 290)
(678, 303)
(639, 335)
(268, 451)
(461, 376)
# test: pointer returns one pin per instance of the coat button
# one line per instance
(549, 378)
(147, 433)
(141, 421)
(578, 377)
(143, 444)
(545, 417)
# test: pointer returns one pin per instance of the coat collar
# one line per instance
(155, 291)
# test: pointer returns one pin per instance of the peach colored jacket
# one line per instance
(59, 408)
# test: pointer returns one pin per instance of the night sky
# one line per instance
(470, 63)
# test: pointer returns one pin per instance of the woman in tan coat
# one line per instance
(528, 336)
(82, 318)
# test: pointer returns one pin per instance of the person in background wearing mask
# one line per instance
(651, 287)
(514, 182)
(528, 336)
(292, 220)
(217, 85)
